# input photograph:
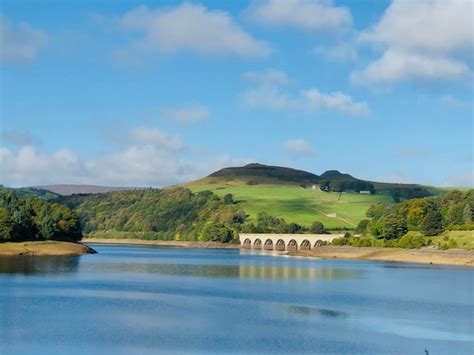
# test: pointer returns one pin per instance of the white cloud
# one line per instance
(19, 138)
(154, 137)
(315, 100)
(310, 100)
(395, 65)
(298, 147)
(190, 27)
(191, 114)
(432, 25)
(20, 43)
(149, 157)
(268, 76)
(421, 40)
(340, 52)
(311, 15)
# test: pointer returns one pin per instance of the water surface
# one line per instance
(148, 300)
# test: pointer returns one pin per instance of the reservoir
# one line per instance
(148, 300)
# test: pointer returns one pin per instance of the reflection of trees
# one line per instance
(39, 265)
(232, 271)
(292, 273)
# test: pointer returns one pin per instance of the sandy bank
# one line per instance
(425, 255)
(171, 243)
(44, 248)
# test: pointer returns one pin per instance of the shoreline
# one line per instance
(430, 256)
(44, 248)
(454, 257)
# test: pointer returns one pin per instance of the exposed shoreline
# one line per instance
(455, 257)
(44, 248)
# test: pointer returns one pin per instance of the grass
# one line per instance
(464, 239)
(294, 203)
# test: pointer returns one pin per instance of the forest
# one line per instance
(173, 214)
(28, 218)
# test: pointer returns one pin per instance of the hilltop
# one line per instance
(260, 174)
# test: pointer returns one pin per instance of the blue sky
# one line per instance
(152, 93)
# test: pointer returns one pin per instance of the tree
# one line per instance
(6, 225)
(432, 224)
(47, 228)
(467, 214)
(294, 228)
(393, 226)
(362, 226)
(317, 228)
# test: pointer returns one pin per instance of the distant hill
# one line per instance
(32, 191)
(259, 173)
(65, 189)
(255, 174)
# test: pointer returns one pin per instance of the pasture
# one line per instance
(297, 204)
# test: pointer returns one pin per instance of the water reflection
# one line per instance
(39, 265)
(300, 310)
(242, 271)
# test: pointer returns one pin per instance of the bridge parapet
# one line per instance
(285, 242)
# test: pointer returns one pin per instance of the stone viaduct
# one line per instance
(285, 242)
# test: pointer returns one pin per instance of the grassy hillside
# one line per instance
(278, 191)
(294, 203)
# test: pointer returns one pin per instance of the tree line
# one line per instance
(32, 218)
(431, 215)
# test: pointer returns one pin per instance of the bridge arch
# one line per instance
(292, 245)
(247, 244)
(320, 243)
(305, 245)
(268, 245)
(280, 245)
(257, 244)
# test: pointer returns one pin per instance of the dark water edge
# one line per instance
(148, 300)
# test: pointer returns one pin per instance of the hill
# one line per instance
(258, 173)
(66, 189)
(295, 195)
(32, 191)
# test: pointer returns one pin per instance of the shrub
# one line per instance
(340, 241)
(317, 228)
(411, 241)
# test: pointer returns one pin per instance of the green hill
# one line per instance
(295, 195)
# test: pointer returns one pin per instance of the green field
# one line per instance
(294, 203)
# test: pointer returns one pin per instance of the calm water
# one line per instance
(147, 300)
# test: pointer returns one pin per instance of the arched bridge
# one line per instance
(284, 242)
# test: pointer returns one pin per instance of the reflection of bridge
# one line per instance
(285, 242)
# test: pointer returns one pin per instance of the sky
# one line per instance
(154, 93)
